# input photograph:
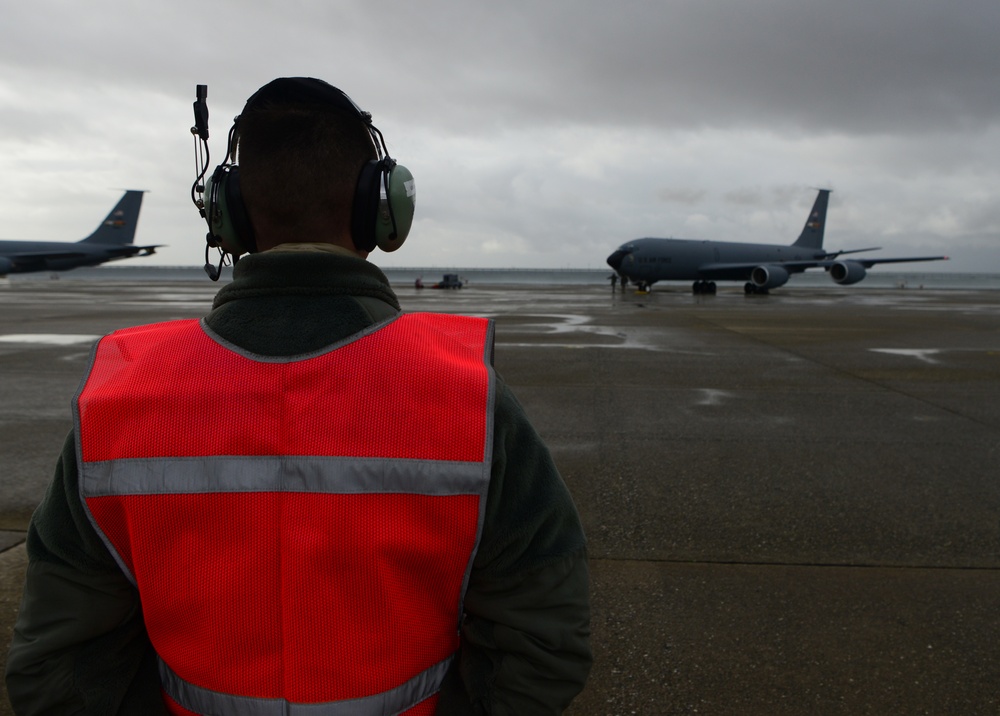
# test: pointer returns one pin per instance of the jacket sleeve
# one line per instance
(526, 631)
(79, 643)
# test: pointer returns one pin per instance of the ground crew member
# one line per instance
(307, 501)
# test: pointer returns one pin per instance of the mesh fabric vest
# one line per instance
(300, 530)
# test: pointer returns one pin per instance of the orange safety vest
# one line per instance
(300, 530)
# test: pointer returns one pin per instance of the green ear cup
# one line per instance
(402, 196)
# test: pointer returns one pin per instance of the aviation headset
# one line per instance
(384, 197)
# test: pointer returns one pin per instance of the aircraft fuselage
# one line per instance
(649, 260)
(27, 256)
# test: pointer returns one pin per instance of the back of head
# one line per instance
(301, 151)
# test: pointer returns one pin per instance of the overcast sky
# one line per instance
(542, 133)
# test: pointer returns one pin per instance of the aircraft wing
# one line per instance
(740, 271)
(146, 250)
(736, 271)
(112, 250)
(868, 263)
(126, 250)
(30, 256)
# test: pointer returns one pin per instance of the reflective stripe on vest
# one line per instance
(395, 701)
(301, 529)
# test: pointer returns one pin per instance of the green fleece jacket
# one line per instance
(79, 643)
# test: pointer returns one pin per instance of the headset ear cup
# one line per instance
(245, 239)
(228, 223)
(366, 205)
(395, 211)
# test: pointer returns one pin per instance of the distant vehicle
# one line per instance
(762, 266)
(450, 280)
(111, 240)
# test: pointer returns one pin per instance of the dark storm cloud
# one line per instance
(855, 66)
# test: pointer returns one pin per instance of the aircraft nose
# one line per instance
(615, 259)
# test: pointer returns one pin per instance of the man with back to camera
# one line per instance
(307, 502)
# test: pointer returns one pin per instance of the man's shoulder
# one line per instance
(156, 333)
(173, 326)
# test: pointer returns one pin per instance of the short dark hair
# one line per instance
(299, 166)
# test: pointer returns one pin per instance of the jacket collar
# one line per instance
(306, 273)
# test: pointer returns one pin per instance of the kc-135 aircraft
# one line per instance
(762, 266)
(111, 240)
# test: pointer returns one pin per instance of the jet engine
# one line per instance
(765, 277)
(847, 272)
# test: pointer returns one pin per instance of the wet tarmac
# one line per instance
(791, 501)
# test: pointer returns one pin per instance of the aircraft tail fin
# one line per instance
(119, 226)
(812, 233)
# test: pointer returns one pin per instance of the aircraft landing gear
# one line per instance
(706, 287)
(751, 289)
